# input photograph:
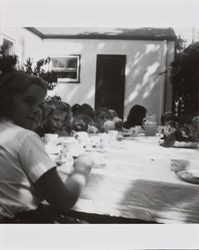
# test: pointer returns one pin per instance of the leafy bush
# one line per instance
(8, 63)
(41, 70)
(185, 80)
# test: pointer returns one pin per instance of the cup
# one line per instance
(138, 128)
(113, 134)
(104, 140)
(150, 129)
(133, 132)
(178, 164)
(49, 138)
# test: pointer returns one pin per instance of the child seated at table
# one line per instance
(177, 132)
(27, 173)
(103, 120)
(87, 110)
(81, 123)
(117, 121)
(135, 117)
(56, 118)
(84, 120)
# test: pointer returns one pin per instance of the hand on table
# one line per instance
(83, 164)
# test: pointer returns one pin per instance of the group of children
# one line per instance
(27, 174)
(59, 117)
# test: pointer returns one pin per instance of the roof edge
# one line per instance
(96, 35)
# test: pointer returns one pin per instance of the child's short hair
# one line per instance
(86, 109)
(13, 83)
(76, 109)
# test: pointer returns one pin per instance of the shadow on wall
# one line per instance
(143, 65)
(143, 79)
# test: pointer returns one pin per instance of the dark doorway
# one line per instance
(110, 82)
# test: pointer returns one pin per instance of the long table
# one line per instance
(133, 180)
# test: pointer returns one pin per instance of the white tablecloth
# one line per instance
(135, 181)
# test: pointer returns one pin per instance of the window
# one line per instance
(67, 68)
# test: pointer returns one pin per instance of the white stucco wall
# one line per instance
(144, 61)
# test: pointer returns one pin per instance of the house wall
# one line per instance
(145, 61)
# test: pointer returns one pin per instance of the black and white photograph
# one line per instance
(99, 118)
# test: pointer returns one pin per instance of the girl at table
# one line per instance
(135, 117)
(56, 118)
(27, 174)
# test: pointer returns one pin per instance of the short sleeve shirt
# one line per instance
(23, 160)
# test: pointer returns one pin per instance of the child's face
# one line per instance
(26, 107)
(56, 121)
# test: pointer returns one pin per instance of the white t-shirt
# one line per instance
(23, 160)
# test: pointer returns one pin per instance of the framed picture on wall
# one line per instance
(67, 68)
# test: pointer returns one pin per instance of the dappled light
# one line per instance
(71, 94)
(149, 88)
(137, 55)
(134, 94)
(101, 45)
(150, 71)
(90, 94)
(127, 71)
(152, 48)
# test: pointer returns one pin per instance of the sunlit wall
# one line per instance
(145, 74)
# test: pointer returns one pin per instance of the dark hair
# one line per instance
(102, 110)
(87, 110)
(13, 83)
(75, 109)
(135, 116)
(168, 117)
(81, 122)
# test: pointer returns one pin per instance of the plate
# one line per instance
(191, 175)
(183, 144)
